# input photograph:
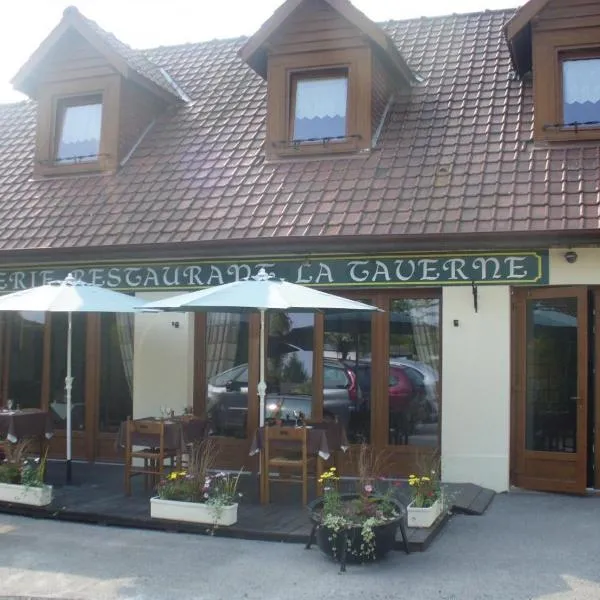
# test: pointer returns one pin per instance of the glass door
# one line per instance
(551, 374)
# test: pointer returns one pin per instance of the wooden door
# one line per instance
(550, 393)
(398, 363)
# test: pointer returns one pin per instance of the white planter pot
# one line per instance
(424, 517)
(192, 512)
(23, 494)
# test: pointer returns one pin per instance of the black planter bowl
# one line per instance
(345, 546)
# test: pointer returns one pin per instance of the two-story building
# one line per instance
(444, 169)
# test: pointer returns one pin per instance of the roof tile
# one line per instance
(456, 158)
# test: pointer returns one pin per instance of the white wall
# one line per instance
(586, 270)
(163, 360)
(476, 386)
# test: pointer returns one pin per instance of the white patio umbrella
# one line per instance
(262, 292)
(69, 296)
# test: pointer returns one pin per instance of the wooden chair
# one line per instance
(153, 458)
(286, 449)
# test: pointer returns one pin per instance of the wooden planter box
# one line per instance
(424, 517)
(192, 512)
(23, 494)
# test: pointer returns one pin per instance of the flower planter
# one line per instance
(424, 517)
(345, 546)
(193, 512)
(24, 494)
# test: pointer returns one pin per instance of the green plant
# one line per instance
(18, 468)
(425, 488)
(198, 484)
(358, 515)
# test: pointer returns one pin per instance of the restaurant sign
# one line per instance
(386, 270)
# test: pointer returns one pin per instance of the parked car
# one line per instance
(407, 397)
(429, 378)
(227, 397)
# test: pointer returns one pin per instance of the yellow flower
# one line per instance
(425, 479)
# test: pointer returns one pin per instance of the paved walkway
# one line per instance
(527, 546)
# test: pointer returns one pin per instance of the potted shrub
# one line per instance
(195, 495)
(426, 499)
(360, 526)
(22, 477)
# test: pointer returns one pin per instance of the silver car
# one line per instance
(227, 397)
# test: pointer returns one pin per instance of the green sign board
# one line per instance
(327, 271)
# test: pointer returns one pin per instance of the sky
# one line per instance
(148, 23)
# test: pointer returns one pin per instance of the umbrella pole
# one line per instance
(262, 385)
(68, 389)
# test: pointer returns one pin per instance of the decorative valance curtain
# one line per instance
(320, 109)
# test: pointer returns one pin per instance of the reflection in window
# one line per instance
(289, 365)
(413, 400)
(227, 373)
(551, 375)
(320, 106)
(116, 370)
(347, 371)
(581, 91)
(25, 358)
(79, 128)
(58, 370)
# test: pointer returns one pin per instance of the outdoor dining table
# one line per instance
(179, 433)
(322, 440)
(16, 425)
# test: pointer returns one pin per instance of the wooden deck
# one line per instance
(96, 496)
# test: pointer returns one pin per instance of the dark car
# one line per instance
(406, 398)
(227, 398)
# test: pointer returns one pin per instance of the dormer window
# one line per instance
(319, 102)
(78, 129)
(581, 91)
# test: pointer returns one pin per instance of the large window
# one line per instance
(116, 370)
(289, 365)
(347, 371)
(414, 351)
(78, 129)
(581, 91)
(227, 373)
(22, 363)
(319, 105)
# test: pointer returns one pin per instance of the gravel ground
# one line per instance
(527, 546)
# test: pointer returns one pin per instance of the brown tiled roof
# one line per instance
(457, 160)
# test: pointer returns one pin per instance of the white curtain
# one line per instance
(80, 133)
(222, 332)
(581, 80)
(125, 323)
(321, 98)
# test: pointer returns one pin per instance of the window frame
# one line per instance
(549, 49)
(312, 75)
(569, 56)
(50, 100)
(282, 69)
